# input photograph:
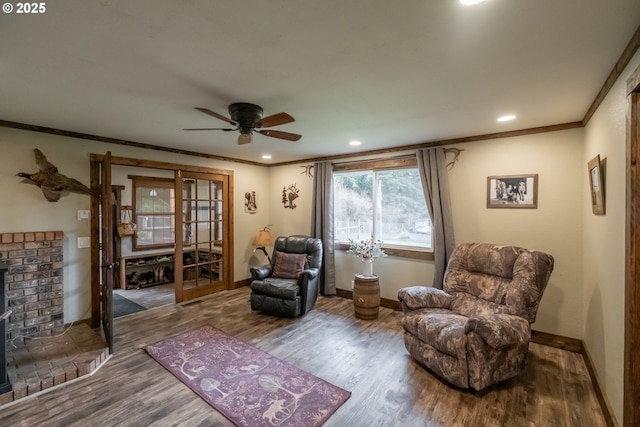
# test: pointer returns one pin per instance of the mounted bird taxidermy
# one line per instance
(52, 183)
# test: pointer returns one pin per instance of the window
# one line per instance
(153, 212)
(387, 204)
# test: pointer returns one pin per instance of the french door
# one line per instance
(202, 234)
(203, 238)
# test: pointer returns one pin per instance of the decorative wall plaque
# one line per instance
(289, 195)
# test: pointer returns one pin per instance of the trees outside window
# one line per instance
(386, 204)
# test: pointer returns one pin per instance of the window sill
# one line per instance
(423, 254)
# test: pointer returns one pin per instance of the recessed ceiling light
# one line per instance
(470, 2)
(355, 143)
(506, 118)
(266, 156)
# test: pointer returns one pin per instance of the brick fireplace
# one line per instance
(34, 293)
(34, 283)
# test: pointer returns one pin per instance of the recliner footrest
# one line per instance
(277, 288)
(276, 306)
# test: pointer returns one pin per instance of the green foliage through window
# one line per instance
(386, 204)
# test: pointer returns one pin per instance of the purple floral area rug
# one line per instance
(248, 386)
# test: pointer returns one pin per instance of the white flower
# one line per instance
(366, 249)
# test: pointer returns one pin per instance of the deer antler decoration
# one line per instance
(456, 154)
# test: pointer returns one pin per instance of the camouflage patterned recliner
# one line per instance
(476, 331)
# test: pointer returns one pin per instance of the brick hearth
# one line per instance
(35, 295)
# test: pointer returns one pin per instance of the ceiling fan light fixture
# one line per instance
(245, 138)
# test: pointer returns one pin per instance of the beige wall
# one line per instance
(604, 242)
(552, 227)
(287, 221)
(555, 227)
(24, 208)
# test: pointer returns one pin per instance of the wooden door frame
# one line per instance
(109, 262)
(94, 176)
(631, 397)
(94, 173)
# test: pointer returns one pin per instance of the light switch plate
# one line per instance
(84, 242)
(83, 215)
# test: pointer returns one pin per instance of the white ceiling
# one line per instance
(388, 73)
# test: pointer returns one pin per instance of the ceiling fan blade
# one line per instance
(245, 138)
(224, 129)
(282, 135)
(275, 120)
(216, 115)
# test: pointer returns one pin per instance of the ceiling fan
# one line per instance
(247, 118)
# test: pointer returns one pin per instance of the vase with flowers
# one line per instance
(367, 251)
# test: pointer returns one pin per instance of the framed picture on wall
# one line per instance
(250, 202)
(512, 191)
(596, 185)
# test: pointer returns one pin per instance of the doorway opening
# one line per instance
(187, 233)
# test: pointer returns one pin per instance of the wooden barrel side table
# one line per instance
(366, 297)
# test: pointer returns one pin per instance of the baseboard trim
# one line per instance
(387, 303)
(241, 283)
(578, 346)
(557, 341)
(607, 410)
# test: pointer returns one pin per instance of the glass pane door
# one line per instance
(204, 240)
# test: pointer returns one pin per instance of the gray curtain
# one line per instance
(435, 183)
(322, 223)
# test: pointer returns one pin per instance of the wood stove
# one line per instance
(5, 384)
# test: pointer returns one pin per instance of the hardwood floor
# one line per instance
(151, 297)
(366, 357)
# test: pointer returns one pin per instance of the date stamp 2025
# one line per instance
(25, 8)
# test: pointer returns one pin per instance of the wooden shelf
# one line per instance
(149, 270)
(144, 266)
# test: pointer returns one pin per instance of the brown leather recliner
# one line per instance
(288, 287)
(476, 331)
